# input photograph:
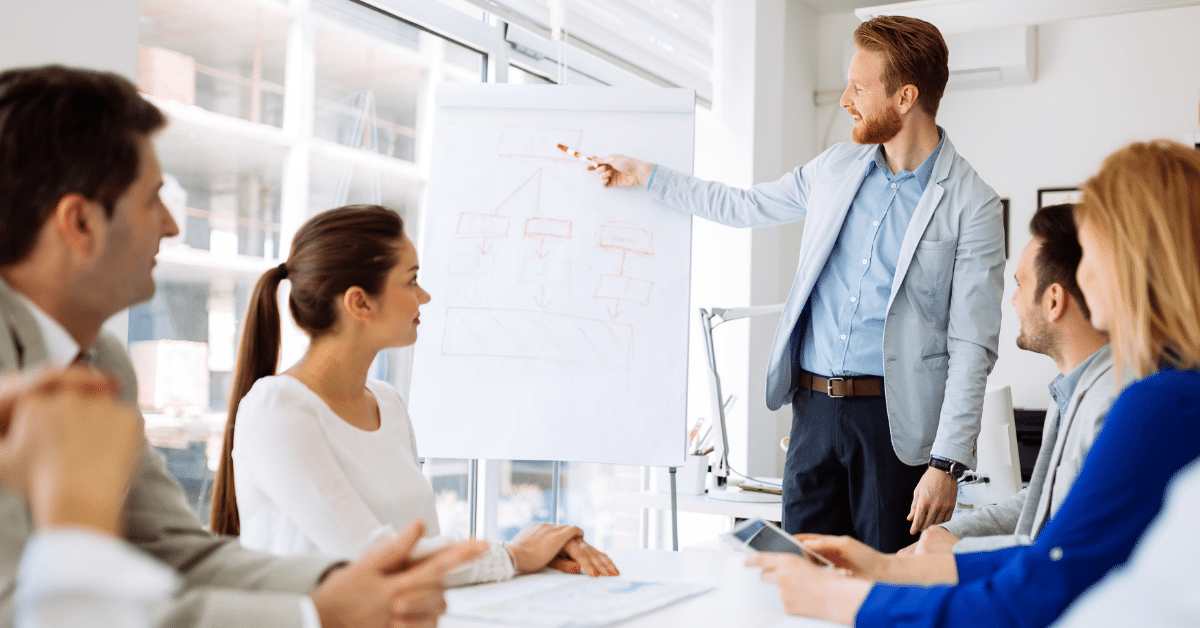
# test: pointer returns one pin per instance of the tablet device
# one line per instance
(758, 535)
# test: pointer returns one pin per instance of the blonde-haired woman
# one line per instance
(1139, 226)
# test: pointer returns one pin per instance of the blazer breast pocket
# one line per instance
(934, 261)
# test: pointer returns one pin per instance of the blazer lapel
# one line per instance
(1098, 366)
(27, 348)
(923, 214)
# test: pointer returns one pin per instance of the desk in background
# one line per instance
(740, 598)
(771, 511)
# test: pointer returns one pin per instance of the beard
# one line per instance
(1038, 338)
(878, 130)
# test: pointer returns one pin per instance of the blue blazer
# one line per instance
(943, 318)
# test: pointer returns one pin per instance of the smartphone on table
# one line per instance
(759, 535)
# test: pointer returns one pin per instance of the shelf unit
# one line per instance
(278, 109)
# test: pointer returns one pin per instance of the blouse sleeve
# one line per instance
(1153, 430)
(281, 440)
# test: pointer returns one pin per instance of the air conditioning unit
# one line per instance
(999, 56)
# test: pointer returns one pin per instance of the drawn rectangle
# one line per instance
(630, 239)
(534, 335)
(548, 227)
(624, 288)
(482, 224)
(540, 270)
(472, 264)
(531, 142)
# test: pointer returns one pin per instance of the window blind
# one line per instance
(667, 42)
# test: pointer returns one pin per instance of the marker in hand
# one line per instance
(576, 154)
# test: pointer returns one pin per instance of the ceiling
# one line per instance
(824, 7)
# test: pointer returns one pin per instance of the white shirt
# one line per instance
(308, 481)
(65, 581)
(1160, 584)
(61, 348)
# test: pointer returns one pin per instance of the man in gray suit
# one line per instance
(1054, 321)
(893, 320)
(80, 225)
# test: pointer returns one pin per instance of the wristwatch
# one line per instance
(954, 469)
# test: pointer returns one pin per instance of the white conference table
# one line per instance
(739, 599)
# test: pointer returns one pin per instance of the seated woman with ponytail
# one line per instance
(321, 459)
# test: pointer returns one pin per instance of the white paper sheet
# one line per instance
(590, 602)
(558, 326)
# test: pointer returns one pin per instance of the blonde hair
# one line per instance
(1145, 202)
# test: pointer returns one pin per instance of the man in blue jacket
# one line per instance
(892, 324)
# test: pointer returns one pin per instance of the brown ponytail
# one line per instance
(335, 250)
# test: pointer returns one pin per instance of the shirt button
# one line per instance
(893, 186)
(843, 336)
(876, 223)
(853, 299)
(864, 262)
(1056, 554)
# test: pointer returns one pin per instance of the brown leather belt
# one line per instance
(866, 386)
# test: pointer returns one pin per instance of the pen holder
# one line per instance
(690, 479)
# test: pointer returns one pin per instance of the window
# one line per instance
(277, 113)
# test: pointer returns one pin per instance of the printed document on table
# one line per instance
(590, 602)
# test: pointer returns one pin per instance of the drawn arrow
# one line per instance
(615, 311)
(485, 248)
(542, 252)
(541, 300)
(473, 296)
(623, 253)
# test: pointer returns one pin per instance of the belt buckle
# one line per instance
(829, 387)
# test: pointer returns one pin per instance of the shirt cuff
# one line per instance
(67, 572)
(493, 566)
(650, 181)
(308, 613)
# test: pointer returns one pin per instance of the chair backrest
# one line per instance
(997, 451)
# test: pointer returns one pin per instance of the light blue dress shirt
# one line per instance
(1063, 386)
(850, 299)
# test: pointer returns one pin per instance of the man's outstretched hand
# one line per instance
(619, 171)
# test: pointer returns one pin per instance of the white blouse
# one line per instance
(308, 481)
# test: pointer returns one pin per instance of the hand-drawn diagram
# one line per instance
(537, 143)
(506, 333)
(626, 240)
(543, 266)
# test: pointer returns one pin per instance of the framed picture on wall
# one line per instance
(1055, 196)
(1004, 214)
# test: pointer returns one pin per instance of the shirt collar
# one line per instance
(1063, 386)
(923, 172)
(61, 348)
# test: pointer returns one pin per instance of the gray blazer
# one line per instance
(224, 584)
(943, 315)
(1066, 441)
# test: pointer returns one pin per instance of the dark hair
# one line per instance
(1058, 257)
(64, 131)
(914, 53)
(334, 251)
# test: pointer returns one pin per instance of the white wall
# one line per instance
(758, 129)
(92, 34)
(1101, 83)
(95, 34)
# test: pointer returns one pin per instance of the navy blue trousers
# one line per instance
(842, 475)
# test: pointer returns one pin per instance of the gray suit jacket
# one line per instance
(943, 316)
(1065, 443)
(224, 584)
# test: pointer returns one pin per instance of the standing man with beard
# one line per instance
(893, 320)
